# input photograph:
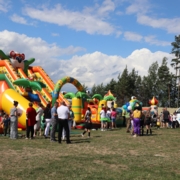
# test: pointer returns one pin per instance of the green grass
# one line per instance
(106, 156)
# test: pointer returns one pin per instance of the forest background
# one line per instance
(159, 82)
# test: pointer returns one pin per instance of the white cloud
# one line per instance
(132, 36)
(55, 34)
(138, 6)
(94, 68)
(89, 20)
(5, 5)
(34, 46)
(153, 40)
(170, 25)
(106, 7)
(18, 19)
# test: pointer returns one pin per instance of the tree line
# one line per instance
(159, 82)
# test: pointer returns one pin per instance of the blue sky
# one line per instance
(90, 40)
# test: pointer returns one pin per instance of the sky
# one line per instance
(90, 40)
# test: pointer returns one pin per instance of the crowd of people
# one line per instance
(61, 117)
(138, 121)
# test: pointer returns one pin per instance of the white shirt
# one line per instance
(63, 112)
(102, 114)
(174, 117)
(108, 113)
(39, 113)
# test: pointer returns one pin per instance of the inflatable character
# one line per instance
(17, 60)
(154, 110)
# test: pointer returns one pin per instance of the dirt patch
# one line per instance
(111, 166)
(133, 153)
(160, 155)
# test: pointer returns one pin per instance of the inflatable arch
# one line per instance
(63, 81)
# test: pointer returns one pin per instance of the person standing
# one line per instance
(31, 120)
(14, 121)
(174, 119)
(108, 116)
(166, 117)
(113, 118)
(124, 117)
(47, 118)
(128, 121)
(136, 121)
(70, 121)
(54, 121)
(5, 122)
(103, 119)
(148, 121)
(39, 113)
(63, 116)
(88, 123)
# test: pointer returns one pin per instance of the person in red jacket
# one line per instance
(31, 120)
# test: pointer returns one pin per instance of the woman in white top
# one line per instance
(37, 126)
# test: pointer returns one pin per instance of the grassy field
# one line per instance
(107, 155)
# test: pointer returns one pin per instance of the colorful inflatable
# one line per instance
(24, 83)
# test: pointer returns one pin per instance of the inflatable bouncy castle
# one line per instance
(22, 82)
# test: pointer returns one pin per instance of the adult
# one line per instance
(103, 119)
(136, 121)
(142, 122)
(70, 121)
(161, 118)
(108, 116)
(174, 119)
(39, 112)
(166, 116)
(148, 121)
(54, 121)
(88, 123)
(124, 117)
(31, 120)
(128, 121)
(14, 121)
(113, 118)
(63, 116)
(47, 118)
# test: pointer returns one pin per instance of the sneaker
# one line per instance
(102, 129)
(26, 138)
(82, 135)
(69, 142)
(135, 135)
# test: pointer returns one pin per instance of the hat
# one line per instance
(15, 102)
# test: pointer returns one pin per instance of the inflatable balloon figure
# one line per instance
(17, 60)
(154, 110)
(132, 104)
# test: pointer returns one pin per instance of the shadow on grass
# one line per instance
(77, 141)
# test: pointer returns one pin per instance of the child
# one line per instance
(174, 120)
(6, 122)
(158, 124)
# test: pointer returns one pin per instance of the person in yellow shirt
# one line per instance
(136, 121)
